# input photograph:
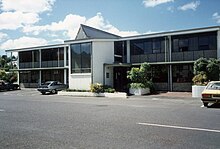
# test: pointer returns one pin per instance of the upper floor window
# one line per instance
(147, 46)
(194, 42)
(120, 51)
(81, 58)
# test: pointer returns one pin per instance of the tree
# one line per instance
(140, 77)
(206, 70)
(5, 65)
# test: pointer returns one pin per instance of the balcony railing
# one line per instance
(29, 65)
(193, 55)
(44, 64)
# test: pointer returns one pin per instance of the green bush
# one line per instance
(97, 88)
(205, 70)
(76, 90)
(140, 77)
(137, 85)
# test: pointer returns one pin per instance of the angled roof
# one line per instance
(87, 32)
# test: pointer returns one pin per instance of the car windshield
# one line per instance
(213, 86)
(47, 83)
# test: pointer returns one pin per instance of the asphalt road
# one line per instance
(29, 120)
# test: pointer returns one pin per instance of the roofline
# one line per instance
(37, 47)
(117, 36)
(171, 33)
(89, 40)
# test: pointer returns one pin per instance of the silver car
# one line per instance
(52, 87)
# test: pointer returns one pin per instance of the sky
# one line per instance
(28, 23)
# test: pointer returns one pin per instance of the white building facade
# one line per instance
(96, 56)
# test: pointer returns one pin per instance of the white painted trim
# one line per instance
(171, 33)
(128, 51)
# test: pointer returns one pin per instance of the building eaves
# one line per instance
(171, 33)
(37, 47)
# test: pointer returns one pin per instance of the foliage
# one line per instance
(97, 88)
(108, 89)
(76, 90)
(5, 65)
(206, 70)
(137, 85)
(140, 77)
(2, 74)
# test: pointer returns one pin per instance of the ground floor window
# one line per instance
(52, 75)
(182, 73)
(29, 76)
(160, 73)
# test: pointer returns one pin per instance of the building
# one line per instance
(95, 56)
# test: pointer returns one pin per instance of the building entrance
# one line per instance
(120, 79)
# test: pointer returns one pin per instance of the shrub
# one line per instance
(206, 70)
(97, 88)
(140, 77)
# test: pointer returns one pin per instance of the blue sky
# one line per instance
(25, 23)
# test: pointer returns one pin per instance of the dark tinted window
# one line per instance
(81, 58)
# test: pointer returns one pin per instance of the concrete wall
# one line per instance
(80, 81)
(102, 52)
(109, 81)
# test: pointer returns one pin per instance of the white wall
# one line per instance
(103, 52)
(80, 81)
(109, 81)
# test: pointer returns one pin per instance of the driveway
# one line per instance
(31, 120)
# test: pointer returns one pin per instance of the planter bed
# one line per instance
(90, 94)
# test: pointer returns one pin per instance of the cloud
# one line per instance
(3, 36)
(153, 3)
(30, 6)
(71, 24)
(216, 17)
(22, 42)
(14, 20)
(193, 6)
(171, 8)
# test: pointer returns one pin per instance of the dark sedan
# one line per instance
(52, 87)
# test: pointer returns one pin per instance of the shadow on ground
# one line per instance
(215, 105)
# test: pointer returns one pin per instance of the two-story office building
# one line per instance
(95, 56)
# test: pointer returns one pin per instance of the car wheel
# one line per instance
(43, 93)
(53, 91)
(205, 104)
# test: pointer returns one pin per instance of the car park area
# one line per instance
(88, 122)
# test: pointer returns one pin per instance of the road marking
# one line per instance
(179, 127)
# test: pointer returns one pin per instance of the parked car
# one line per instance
(211, 93)
(8, 86)
(52, 87)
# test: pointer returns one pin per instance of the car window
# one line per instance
(214, 86)
(54, 83)
(59, 83)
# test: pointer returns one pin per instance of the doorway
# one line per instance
(120, 79)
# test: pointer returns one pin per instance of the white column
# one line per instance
(170, 66)
(170, 78)
(40, 59)
(40, 79)
(128, 52)
(218, 44)
(64, 52)
(65, 81)
(170, 48)
(18, 69)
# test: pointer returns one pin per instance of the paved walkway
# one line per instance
(176, 95)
